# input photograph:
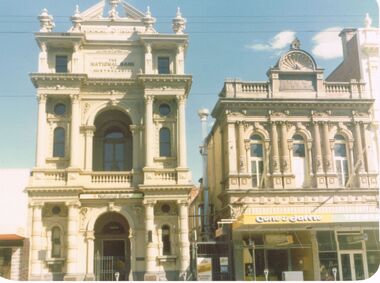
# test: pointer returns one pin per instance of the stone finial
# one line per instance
(46, 21)
(367, 21)
(148, 21)
(76, 19)
(179, 23)
(113, 12)
(296, 44)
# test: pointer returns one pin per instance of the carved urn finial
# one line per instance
(113, 12)
(148, 21)
(367, 21)
(179, 23)
(296, 44)
(76, 19)
(46, 21)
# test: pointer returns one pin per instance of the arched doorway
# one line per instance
(112, 247)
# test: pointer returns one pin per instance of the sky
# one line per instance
(227, 39)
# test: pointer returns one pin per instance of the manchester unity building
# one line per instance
(292, 162)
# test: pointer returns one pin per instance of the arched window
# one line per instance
(56, 244)
(340, 158)
(59, 142)
(166, 248)
(298, 160)
(257, 160)
(114, 150)
(165, 142)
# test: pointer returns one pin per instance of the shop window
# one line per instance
(340, 158)
(61, 63)
(326, 241)
(165, 142)
(350, 241)
(373, 251)
(257, 160)
(5, 262)
(56, 244)
(298, 160)
(166, 247)
(59, 142)
(163, 64)
(328, 256)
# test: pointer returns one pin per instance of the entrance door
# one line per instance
(352, 266)
(278, 261)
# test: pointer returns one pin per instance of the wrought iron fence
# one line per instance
(107, 266)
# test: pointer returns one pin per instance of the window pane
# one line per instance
(326, 241)
(256, 150)
(59, 143)
(340, 150)
(327, 262)
(359, 269)
(164, 142)
(163, 65)
(61, 64)
(373, 259)
(299, 150)
(350, 242)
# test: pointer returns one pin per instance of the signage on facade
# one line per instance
(223, 264)
(304, 219)
(204, 269)
(112, 196)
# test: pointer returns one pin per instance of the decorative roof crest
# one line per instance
(76, 19)
(179, 23)
(46, 21)
(113, 12)
(367, 21)
(149, 21)
(296, 44)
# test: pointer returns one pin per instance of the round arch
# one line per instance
(106, 106)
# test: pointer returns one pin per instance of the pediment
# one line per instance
(296, 60)
(97, 11)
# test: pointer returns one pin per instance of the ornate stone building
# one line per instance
(109, 193)
(293, 163)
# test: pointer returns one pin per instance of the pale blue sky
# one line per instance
(228, 39)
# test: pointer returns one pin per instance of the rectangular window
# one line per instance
(257, 172)
(61, 64)
(163, 65)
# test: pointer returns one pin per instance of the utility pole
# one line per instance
(203, 114)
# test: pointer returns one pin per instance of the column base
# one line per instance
(320, 181)
(89, 277)
(73, 277)
(151, 277)
(277, 181)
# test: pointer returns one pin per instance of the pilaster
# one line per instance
(184, 244)
(276, 175)
(150, 238)
(90, 237)
(149, 132)
(36, 241)
(181, 131)
(75, 123)
(41, 131)
(320, 179)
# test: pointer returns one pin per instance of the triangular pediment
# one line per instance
(98, 11)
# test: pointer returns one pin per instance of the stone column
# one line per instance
(36, 241)
(135, 146)
(41, 131)
(184, 244)
(327, 150)
(75, 122)
(242, 151)
(149, 131)
(151, 240)
(181, 131)
(148, 59)
(72, 238)
(89, 134)
(231, 147)
(275, 154)
(318, 150)
(90, 275)
(359, 161)
(179, 61)
(284, 150)
(75, 65)
(43, 66)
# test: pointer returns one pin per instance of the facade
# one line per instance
(108, 197)
(293, 165)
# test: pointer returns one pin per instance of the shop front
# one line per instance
(307, 247)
